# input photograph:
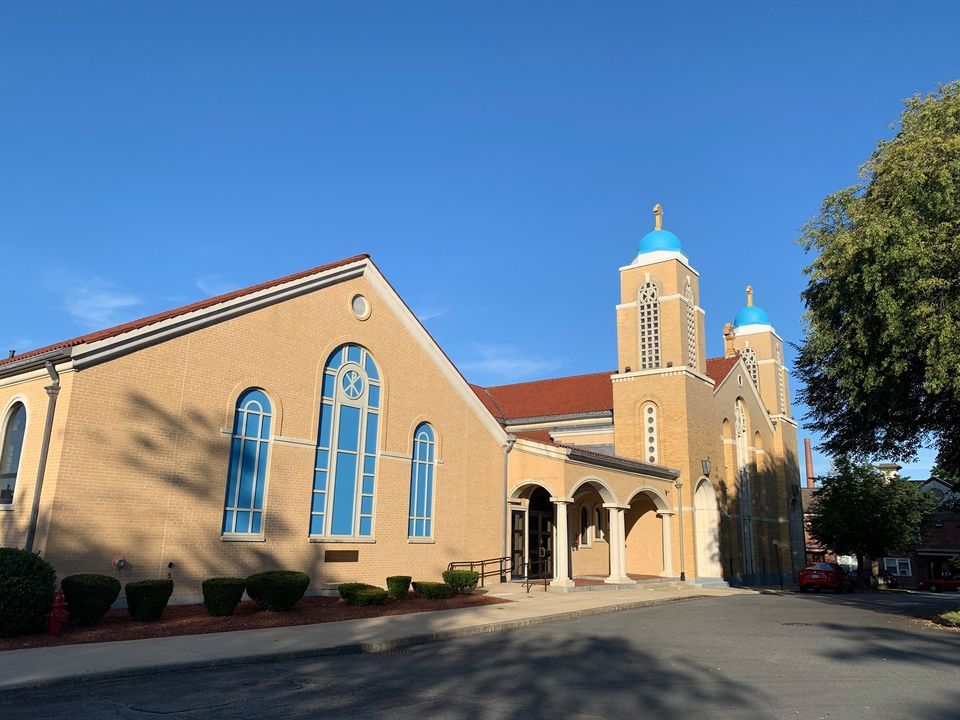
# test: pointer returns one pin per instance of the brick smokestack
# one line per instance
(808, 458)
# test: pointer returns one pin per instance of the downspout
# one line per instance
(53, 389)
(679, 486)
(511, 439)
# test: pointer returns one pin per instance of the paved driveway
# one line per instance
(751, 656)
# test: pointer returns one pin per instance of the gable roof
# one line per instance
(719, 367)
(144, 322)
(573, 395)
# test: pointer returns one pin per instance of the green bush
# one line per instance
(27, 585)
(398, 585)
(146, 599)
(221, 595)
(89, 597)
(369, 596)
(434, 590)
(463, 581)
(950, 619)
(348, 591)
(278, 589)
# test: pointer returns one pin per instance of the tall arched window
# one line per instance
(584, 526)
(13, 431)
(346, 460)
(598, 523)
(648, 309)
(691, 325)
(422, 470)
(651, 436)
(247, 476)
(750, 360)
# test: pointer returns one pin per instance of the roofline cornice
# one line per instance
(35, 362)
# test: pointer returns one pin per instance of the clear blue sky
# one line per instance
(498, 160)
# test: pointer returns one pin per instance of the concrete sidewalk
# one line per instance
(51, 665)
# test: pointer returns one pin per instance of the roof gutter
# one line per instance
(34, 362)
(626, 464)
(53, 390)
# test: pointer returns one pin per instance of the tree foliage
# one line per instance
(859, 511)
(880, 359)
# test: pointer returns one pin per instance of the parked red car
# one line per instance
(937, 584)
(825, 576)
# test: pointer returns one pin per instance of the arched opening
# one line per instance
(590, 555)
(648, 536)
(707, 515)
(532, 532)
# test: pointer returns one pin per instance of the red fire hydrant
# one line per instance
(58, 615)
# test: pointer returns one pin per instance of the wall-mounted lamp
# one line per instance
(705, 466)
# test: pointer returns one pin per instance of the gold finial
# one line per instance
(658, 216)
(749, 295)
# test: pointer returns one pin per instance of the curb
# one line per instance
(361, 648)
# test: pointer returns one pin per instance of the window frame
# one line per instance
(896, 561)
(583, 536)
(4, 430)
(431, 467)
(245, 398)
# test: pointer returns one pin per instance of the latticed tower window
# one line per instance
(650, 433)
(691, 325)
(750, 360)
(648, 305)
(781, 394)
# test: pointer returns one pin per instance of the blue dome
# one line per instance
(751, 316)
(659, 240)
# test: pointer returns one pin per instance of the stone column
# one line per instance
(617, 541)
(666, 527)
(561, 544)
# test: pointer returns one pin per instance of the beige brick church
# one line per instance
(312, 423)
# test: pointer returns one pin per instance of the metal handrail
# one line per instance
(504, 565)
(528, 581)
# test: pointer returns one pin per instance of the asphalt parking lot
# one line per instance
(764, 655)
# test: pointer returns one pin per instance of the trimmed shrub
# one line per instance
(348, 591)
(463, 581)
(277, 590)
(950, 619)
(89, 596)
(369, 596)
(221, 595)
(27, 585)
(398, 585)
(434, 590)
(146, 599)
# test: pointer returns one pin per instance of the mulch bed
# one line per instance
(194, 620)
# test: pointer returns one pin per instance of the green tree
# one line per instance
(859, 511)
(880, 358)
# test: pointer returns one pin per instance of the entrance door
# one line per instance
(516, 543)
(540, 542)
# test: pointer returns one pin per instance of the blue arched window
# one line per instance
(247, 477)
(346, 460)
(11, 435)
(421, 482)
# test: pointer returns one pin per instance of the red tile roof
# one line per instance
(572, 395)
(719, 367)
(168, 314)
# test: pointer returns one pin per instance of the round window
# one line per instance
(361, 308)
(352, 384)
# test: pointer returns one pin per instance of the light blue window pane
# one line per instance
(371, 367)
(326, 423)
(348, 435)
(319, 503)
(320, 481)
(366, 505)
(261, 476)
(353, 353)
(344, 490)
(370, 443)
(369, 464)
(426, 529)
(366, 526)
(374, 396)
(323, 457)
(265, 428)
(336, 360)
(243, 522)
(410, 529)
(425, 432)
(428, 494)
(233, 472)
(228, 521)
(329, 385)
(422, 472)
(316, 524)
(248, 468)
(418, 531)
(257, 522)
(252, 428)
(367, 485)
(413, 494)
(254, 397)
(238, 418)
